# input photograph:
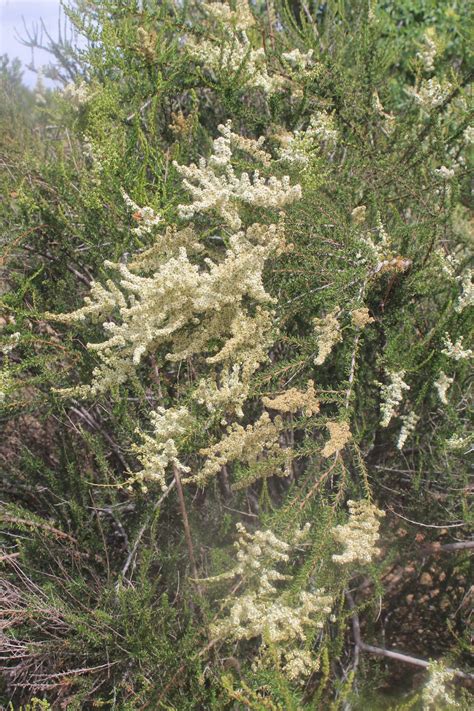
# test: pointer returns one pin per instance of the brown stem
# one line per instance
(187, 530)
(224, 483)
(37, 524)
(388, 653)
(271, 19)
(318, 483)
(428, 525)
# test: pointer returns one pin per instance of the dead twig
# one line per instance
(187, 530)
(361, 646)
(427, 525)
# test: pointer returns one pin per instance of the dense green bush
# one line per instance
(236, 310)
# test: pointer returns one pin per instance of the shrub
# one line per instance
(238, 295)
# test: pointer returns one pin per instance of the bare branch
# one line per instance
(388, 653)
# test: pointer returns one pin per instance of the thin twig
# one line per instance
(388, 653)
(187, 530)
(140, 110)
(37, 524)
(139, 537)
(319, 482)
(92, 422)
(428, 525)
(271, 19)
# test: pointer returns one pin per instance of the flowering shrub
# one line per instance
(238, 295)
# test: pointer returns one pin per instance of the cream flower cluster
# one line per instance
(266, 611)
(7, 383)
(245, 348)
(296, 147)
(11, 343)
(340, 435)
(409, 423)
(226, 391)
(388, 119)
(299, 664)
(100, 303)
(360, 317)
(448, 264)
(444, 172)
(96, 155)
(384, 243)
(158, 451)
(429, 51)
(466, 298)
(328, 333)
(166, 245)
(77, 94)
(248, 145)
(359, 214)
(184, 305)
(241, 18)
(258, 552)
(431, 93)
(293, 400)
(435, 695)
(442, 386)
(254, 615)
(241, 355)
(250, 337)
(174, 298)
(146, 217)
(298, 59)
(214, 185)
(360, 534)
(456, 442)
(233, 52)
(392, 395)
(468, 135)
(323, 127)
(456, 350)
(381, 249)
(243, 444)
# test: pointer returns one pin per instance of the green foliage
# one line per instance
(35, 705)
(103, 607)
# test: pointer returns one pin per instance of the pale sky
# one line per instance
(12, 13)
